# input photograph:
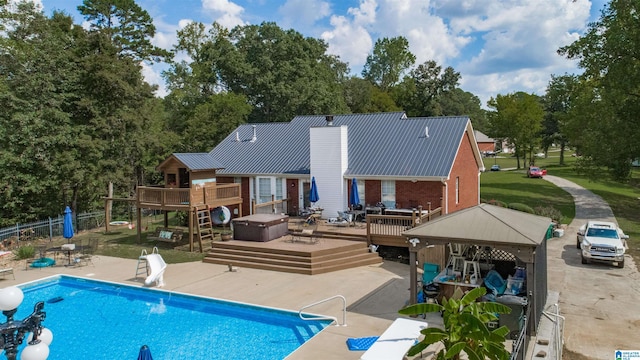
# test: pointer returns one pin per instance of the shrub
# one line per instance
(25, 252)
(522, 207)
(497, 203)
(549, 211)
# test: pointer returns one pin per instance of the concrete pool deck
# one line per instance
(374, 294)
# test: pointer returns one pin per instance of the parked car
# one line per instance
(534, 172)
(602, 241)
(495, 167)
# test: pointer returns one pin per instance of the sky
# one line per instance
(497, 46)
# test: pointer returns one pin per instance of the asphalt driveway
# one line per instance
(600, 302)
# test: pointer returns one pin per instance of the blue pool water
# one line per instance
(101, 320)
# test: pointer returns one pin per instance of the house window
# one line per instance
(267, 186)
(171, 180)
(279, 190)
(389, 193)
(264, 189)
(457, 190)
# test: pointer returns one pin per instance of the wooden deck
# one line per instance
(339, 246)
(285, 255)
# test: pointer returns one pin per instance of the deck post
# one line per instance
(413, 276)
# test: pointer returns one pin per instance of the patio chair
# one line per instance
(87, 254)
(305, 232)
(430, 290)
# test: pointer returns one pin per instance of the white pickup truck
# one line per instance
(602, 241)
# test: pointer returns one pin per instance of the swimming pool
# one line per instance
(98, 320)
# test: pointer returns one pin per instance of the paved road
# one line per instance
(601, 303)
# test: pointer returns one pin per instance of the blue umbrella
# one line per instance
(67, 225)
(354, 198)
(145, 353)
(313, 195)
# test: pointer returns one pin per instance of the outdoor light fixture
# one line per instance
(12, 332)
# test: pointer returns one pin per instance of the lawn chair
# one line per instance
(86, 257)
(430, 290)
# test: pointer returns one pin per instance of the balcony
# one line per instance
(213, 195)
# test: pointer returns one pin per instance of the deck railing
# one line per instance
(163, 196)
(388, 229)
(272, 207)
(172, 197)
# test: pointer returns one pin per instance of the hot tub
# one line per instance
(260, 227)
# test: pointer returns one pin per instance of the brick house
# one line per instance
(398, 161)
(485, 143)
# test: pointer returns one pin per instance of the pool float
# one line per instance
(43, 262)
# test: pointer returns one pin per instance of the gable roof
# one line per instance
(380, 145)
(482, 138)
(194, 161)
(485, 224)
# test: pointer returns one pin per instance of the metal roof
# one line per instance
(485, 225)
(198, 161)
(380, 145)
(480, 137)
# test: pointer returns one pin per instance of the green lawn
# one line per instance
(514, 186)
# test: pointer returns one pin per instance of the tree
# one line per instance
(388, 61)
(421, 93)
(465, 327)
(126, 25)
(517, 118)
(558, 101)
(609, 54)
(39, 148)
(214, 120)
(363, 97)
(281, 73)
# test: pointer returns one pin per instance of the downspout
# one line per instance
(446, 195)
(479, 173)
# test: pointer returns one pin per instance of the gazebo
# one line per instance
(522, 234)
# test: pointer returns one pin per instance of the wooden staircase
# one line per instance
(203, 223)
(329, 255)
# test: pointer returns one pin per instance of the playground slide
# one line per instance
(157, 266)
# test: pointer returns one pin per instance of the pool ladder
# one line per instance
(142, 267)
(323, 317)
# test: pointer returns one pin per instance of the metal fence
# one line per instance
(49, 228)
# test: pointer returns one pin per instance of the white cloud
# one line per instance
(298, 14)
(350, 41)
(226, 13)
(153, 75)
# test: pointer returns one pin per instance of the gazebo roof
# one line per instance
(484, 224)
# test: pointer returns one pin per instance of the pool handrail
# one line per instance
(323, 317)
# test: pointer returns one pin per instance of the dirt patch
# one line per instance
(570, 355)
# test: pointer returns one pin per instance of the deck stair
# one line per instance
(301, 258)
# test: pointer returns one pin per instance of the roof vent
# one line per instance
(426, 131)
(237, 136)
(329, 119)
(255, 137)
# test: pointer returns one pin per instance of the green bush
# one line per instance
(497, 203)
(25, 252)
(182, 218)
(522, 207)
(550, 211)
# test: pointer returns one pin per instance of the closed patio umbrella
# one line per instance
(354, 198)
(67, 225)
(145, 353)
(313, 194)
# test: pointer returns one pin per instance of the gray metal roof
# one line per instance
(198, 161)
(480, 137)
(485, 225)
(381, 144)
